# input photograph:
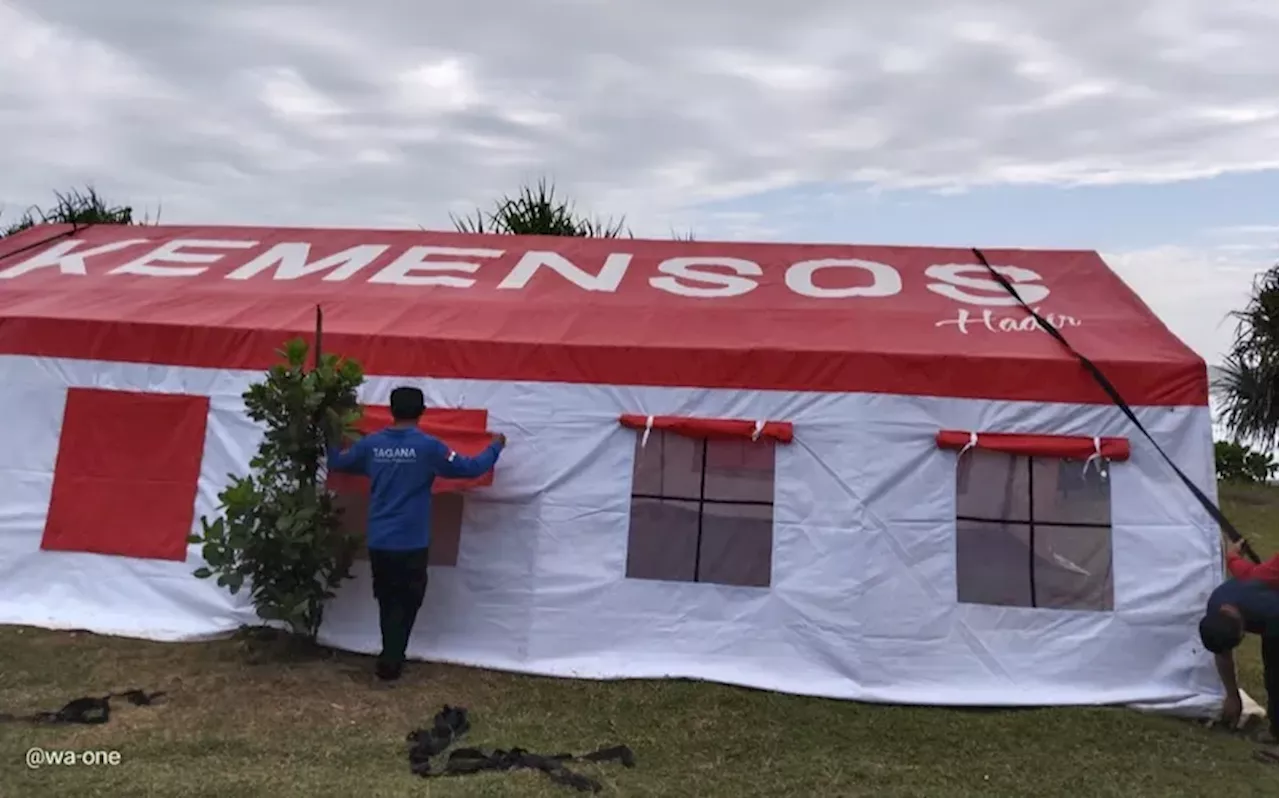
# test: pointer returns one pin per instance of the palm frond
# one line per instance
(538, 211)
(1247, 388)
(1256, 324)
(1248, 396)
(75, 207)
(469, 224)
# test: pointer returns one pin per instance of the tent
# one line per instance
(860, 472)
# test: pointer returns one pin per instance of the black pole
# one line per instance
(1031, 526)
(319, 332)
(316, 366)
(316, 354)
(702, 506)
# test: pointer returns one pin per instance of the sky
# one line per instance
(1144, 129)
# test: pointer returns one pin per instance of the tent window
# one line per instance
(702, 510)
(1033, 532)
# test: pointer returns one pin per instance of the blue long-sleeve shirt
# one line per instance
(402, 464)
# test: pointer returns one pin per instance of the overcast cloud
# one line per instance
(394, 113)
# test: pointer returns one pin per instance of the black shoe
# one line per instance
(388, 672)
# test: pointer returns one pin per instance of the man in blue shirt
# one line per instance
(1237, 607)
(402, 463)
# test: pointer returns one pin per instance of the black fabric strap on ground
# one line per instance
(87, 710)
(451, 723)
(1227, 527)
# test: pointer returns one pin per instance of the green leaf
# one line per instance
(202, 573)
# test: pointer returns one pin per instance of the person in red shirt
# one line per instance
(1240, 568)
(1266, 573)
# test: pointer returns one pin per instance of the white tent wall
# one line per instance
(863, 598)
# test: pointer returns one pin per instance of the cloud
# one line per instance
(1194, 290)
(391, 113)
(1264, 235)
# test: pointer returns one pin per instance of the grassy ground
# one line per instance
(320, 728)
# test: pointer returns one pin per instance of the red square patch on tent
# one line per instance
(126, 475)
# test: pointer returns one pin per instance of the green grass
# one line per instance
(318, 727)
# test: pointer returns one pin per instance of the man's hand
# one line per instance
(501, 440)
(1232, 708)
(1233, 548)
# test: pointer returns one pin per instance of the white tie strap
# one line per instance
(648, 427)
(1096, 458)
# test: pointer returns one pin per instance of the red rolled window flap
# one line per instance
(712, 428)
(1065, 447)
(464, 430)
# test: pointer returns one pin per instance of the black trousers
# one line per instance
(1269, 673)
(399, 585)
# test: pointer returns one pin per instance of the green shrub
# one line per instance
(1237, 463)
(277, 528)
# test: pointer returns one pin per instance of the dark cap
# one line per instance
(407, 403)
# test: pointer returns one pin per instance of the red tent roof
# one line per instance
(813, 317)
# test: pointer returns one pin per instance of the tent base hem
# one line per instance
(1199, 707)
